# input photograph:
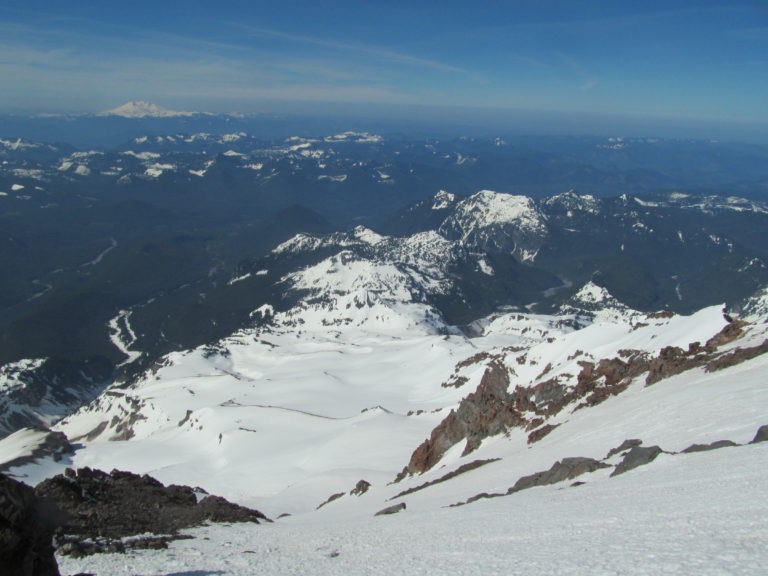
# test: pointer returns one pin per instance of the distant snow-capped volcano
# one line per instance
(141, 109)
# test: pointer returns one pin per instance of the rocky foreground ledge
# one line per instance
(86, 511)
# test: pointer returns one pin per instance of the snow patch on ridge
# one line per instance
(443, 200)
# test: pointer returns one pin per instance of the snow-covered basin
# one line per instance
(267, 419)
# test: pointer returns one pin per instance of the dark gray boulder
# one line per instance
(712, 446)
(107, 507)
(391, 509)
(331, 498)
(360, 488)
(565, 469)
(761, 435)
(637, 456)
(626, 445)
(26, 532)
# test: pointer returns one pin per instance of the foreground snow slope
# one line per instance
(701, 514)
(345, 385)
(283, 417)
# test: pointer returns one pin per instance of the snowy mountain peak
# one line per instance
(498, 221)
(142, 109)
(593, 295)
(347, 291)
(594, 303)
(499, 208)
(572, 201)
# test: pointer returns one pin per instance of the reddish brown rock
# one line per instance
(487, 411)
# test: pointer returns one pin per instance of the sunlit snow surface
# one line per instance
(670, 518)
(345, 385)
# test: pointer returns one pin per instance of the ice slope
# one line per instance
(275, 413)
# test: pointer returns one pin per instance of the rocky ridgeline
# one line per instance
(487, 411)
(86, 511)
(492, 409)
(33, 394)
(112, 506)
(42, 443)
(631, 454)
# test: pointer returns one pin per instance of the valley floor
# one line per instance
(699, 514)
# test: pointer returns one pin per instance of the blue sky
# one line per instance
(682, 60)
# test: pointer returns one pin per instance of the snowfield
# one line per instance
(288, 416)
(700, 514)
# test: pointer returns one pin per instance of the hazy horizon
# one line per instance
(583, 67)
(465, 121)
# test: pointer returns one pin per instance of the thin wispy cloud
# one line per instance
(374, 51)
(200, 67)
(553, 54)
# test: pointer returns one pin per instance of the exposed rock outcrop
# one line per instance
(712, 446)
(360, 488)
(26, 531)
(728, 334)
(493, 409)
(460, 470)
(611, 376)
(624, 446)
(737, 357)
(565, 469)
(487, 411)
(673, 360)
(120, 504)
(637, 456)
(761, 435)
(670, 361)
(539, 433)
(330, 499)
(391, 509)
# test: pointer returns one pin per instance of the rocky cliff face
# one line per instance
(26, 531)
(493, 408)
(487, 411)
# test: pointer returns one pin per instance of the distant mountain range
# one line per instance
(117, 256)
(343, 327)
(354, 394)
